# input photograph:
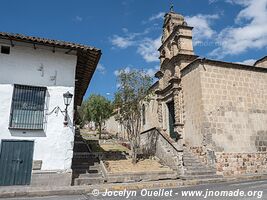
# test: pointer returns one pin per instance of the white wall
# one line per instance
(54, 145)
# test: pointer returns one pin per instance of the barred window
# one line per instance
(27, 110)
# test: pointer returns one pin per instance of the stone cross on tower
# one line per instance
(171, 8)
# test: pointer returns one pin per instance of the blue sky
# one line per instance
(128, 31)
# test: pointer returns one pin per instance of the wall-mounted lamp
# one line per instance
(67, 100)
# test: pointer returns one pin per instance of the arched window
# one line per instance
(143, 114)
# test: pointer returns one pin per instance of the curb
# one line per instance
(28, 191)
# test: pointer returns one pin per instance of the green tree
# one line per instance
(81, 115)
(98, 109)
(133, 90)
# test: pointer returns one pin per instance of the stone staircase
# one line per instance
(85, 164)
(195, 169)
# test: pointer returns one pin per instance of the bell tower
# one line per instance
(176, 37)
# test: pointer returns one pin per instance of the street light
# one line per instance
(67, 100)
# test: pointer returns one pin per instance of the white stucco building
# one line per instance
(34, 75)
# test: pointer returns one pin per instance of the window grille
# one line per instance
(27, 109)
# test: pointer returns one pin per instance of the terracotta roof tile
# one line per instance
(45, 41)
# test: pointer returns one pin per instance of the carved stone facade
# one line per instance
(176, 52)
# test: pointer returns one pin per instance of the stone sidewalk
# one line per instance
(28, 191)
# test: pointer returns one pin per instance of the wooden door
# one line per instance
(171, 119)
(16, 162)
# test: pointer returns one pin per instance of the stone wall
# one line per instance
(235, 108)
(225, 107)
(156, 144)
(193, 107)
(234, 164)
(115, 128)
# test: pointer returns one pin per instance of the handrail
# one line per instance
(163, 135)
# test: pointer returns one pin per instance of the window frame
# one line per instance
(17, 86)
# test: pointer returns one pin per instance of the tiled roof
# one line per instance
(44, 41)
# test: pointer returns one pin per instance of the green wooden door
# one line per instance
(16, 162)
(171, 119)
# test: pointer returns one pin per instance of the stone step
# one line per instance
(77, 142)
(87, 155)
(88, 181)
(79, 138)
(85, 163)
(93, 171)
(79, 171)
(191, 160)
(199, 168)
(86, 166)
(78, 158)
(193, 177)
(189, 156)
(84, 171)
(94, 167)
(80, 148)
(195, 168)
(94, 175)
(200, 172)
(186, 163)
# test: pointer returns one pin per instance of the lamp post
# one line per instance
(67, 100)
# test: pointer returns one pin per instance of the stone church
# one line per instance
(205, 115)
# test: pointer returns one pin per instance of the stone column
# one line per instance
(159, 112)
(178, 109)
(174, 48)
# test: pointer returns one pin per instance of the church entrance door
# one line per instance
(170, 106)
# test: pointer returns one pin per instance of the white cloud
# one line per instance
(147, 71)
(151, 71)
(126, 69)
(155, 17)
(202, 26)
(101, 68)
(148, 49)
(125, 30)
(78, 18)
(130, 39)
(248, 62)
(250, 31)
(212, 1)
(121, 42)
(160, 15)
